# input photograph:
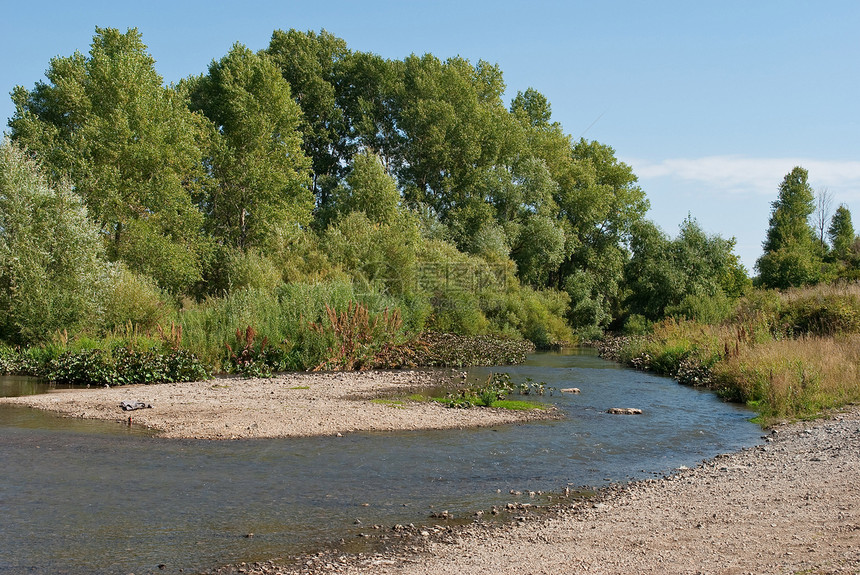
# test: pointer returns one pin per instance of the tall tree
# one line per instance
(260, 170)
(312, 65)
(370, 93)
(129, 146)
(790, 257)
(456, 130)
(841, 233)
(600, 203)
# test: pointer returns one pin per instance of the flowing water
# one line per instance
(84, 497)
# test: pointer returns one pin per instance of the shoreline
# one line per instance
(790, 505)
(288, 405)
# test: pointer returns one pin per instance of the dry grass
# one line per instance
(793, 378)
(822, 291)
(789, 355)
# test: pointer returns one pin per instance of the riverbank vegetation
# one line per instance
(788, 355)
(312, 207)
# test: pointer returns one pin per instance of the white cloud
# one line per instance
(738, 174)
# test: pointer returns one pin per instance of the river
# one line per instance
(87, 497)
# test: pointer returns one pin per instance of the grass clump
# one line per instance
(494, 393)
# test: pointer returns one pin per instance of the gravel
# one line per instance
(290, 405)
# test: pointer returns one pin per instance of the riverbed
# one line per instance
(98, 497)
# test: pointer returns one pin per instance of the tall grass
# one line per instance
(786, 354)
(682, 349)
(793, 378)
(294, 320)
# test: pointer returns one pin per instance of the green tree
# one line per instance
(370, 93)
(260, 170)
(532, 107)
(841, 233)
(790, 257)
(312, 65)
(53, 274)
(600, 205)
(381, 257)
(688, 275)
(538, 249)
(456, 131)
(129, 146)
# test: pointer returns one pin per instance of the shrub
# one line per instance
(123, 366)
(706, 309)
(134, 300)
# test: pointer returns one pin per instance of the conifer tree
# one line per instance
(790, 257)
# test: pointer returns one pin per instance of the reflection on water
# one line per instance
(15, 385)
(87, 497)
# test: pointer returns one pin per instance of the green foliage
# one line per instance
(821, 312)
(790, 258)
(314, 67)
(175, 266)
(369, 189)
(294, 321)
(208, 326)
(18, 361)
(588, 313)
(53, 275)
(789, 266)
(694, 275)
(123, 366)
(458, 312)
(236, 269)
(380, 256)
(841, 234)
(134, 299)
(684, 350)
(538, 249)
(786, 354)
(636, 324)
(260, 170)
(129, 146)
(537, 315)
(706, 309)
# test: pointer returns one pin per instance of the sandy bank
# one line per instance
(290, 405)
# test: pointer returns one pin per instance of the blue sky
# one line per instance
(711, 103)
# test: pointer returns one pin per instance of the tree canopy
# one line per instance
(308, 161)
(129, 146)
